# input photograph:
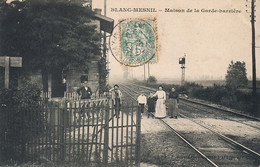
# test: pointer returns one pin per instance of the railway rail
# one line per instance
(202, 104)
(129, 89)
(219, 113)
(126, 90)
(215, 110)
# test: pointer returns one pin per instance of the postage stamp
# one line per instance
(134, 42)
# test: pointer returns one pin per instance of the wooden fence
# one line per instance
(71, 96)
(79, 131)
(45, 96)
(74, 96)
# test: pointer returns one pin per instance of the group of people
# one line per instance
(85, 93)
(156, 103)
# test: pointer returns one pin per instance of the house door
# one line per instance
(58, 87)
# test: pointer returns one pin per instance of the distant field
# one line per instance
(257, 84)
(207, 82)
(202, 82)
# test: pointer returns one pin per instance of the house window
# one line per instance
(83, 78)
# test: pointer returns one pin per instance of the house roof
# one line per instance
(106, 23)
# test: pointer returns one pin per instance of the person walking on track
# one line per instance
(160, 108)
(173, 103)
(151, 105)
(142, 100)
(117, 99)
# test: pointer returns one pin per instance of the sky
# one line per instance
(209, 40)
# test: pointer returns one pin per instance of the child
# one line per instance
(151, 105)
(141, 102)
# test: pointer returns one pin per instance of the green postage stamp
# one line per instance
(138, 41)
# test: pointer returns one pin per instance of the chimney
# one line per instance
(97, 11)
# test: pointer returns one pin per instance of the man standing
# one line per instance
(141, 102)
(173, 103)
(85, 91)
(116, 97)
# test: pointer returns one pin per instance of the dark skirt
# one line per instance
(151, 104)
(173, 107)
(151, 108)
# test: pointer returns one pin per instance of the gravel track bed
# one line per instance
(160, 146)
(215, 148)
(242, 133)
(166, 149)
(222, 114)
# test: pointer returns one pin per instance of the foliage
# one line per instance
(186, 89)
(152, 79)
(6, 97)
(103, 74)
(236, 75)
(48, 34)
(27, 95)
(20, 109)
(213, 94)
(219, 94)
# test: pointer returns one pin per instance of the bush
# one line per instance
(151, 79)
(218, 94)
(236, 75)
(27, 95)
(225, 96)
(21, 118)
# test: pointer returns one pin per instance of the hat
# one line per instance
(116, 85)
(83, 78)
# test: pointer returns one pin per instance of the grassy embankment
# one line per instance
(239, 99)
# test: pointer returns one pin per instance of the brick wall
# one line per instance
(73, 78)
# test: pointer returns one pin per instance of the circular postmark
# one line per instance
(134, 42)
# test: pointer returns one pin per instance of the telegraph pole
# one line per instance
(144, 72)
(105, 42)
(105, 7)
(148, 69)
(253, 44)
(104, 37)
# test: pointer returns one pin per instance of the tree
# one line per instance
(48, 35)
(236, 75)
(151, 79)
(103, 74)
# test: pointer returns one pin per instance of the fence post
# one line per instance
(106, 132)
(138, 138)
(23, 143)
(62, 111)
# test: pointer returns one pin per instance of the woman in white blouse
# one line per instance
(160, 108)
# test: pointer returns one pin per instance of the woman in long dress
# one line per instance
(160, 108)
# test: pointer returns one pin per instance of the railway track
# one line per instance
(219, 113)
(134, 97)
(133, 90)
(216, 111)
(203, 104)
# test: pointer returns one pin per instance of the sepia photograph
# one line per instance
(116, 83)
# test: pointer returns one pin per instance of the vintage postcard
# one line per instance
(129, 83)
